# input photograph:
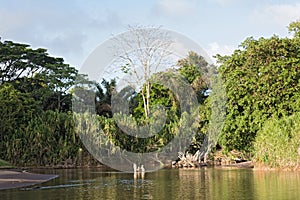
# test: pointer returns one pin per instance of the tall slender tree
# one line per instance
(143, 52)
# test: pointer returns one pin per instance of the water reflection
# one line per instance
(277, 185)
(164, 184)
(139, 175)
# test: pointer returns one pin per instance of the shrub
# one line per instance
(277, 143)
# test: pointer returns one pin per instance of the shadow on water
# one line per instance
(205, 183)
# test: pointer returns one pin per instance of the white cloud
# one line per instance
(215, 48)
(64, 29)
(175, 7)
(279, 14)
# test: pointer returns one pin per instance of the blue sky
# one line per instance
(72, 29)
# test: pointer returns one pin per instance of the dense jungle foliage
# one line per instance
(261, 92)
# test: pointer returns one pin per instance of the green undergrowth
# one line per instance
(277, 144)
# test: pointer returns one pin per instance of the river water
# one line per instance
(204, 183)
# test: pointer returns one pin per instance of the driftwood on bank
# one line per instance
(189, 160)
(200, 159)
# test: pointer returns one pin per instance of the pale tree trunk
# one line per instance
(144, 102)
(148, 97)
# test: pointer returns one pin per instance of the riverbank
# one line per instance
(262, 167)
(232, 159)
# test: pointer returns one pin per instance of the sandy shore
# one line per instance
(16, 179)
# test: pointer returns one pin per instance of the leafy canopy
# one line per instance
(261, 80)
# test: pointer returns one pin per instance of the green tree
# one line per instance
(103, 97)
(196, 71)
(261, 80)
(31, 82)
(294, 28)
(33, 71)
